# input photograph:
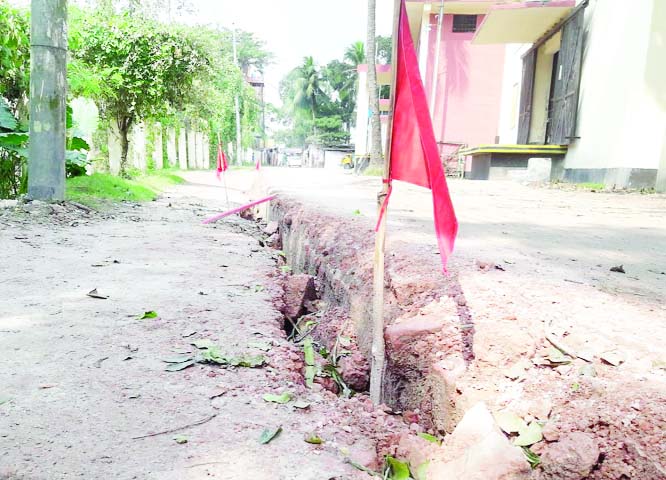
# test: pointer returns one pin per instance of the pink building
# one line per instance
(463, 81)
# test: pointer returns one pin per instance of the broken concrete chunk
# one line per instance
(274, 241)
(298, 290)
(477, 450)
(476, 425)
(421, 325)
(493, 458)
(572, 457)
(355, 371)
(271, 228)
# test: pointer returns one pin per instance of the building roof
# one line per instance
(521, 22)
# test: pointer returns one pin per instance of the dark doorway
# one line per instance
(554, 78)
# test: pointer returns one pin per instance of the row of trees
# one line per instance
(135, 68)
(319, 102)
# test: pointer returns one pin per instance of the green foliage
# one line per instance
(532, 458)
(14, 53)
(319, 102)
(134, 68)
(14, 83)
(94, 189)
(355, 54)
(384, 50)
(396, 470)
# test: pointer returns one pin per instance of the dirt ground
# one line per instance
(84, 376)
(531, 264)
(81, 378)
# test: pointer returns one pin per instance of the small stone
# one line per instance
(550, 432)
(364, 453)
(416, 428)
(572, 457)
(541, 409)
(355, 371)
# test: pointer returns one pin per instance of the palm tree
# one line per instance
(355, 54)
(309, 93)
(373, 91)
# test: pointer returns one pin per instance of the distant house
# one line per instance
(571, 90)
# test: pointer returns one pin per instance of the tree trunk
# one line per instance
(48, 99)
(123, 129)
(373, 91)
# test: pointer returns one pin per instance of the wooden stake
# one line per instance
(224, 173)
(378, 346)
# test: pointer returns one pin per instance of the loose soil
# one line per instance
(83, 377)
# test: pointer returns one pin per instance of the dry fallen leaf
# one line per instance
(94, 294)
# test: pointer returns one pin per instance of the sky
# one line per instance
(293, 29)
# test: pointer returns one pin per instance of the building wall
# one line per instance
(655, 77)
(620, 123)
(622, 106)
(511, 87)
(362, 108)
(468, 85)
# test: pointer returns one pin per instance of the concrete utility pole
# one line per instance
(239, 154)
(48, 99)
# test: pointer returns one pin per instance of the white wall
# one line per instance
(158, 158)
(619, 122)
(362, 107)
(137, 147)
(182, 150)
(172, 148)
(191, 150)
(511, 87)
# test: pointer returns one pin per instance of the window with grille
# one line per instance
(464, 23)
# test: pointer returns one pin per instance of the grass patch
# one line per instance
(591, 186)
(96, 189)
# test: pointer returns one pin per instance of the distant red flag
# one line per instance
(414, 154)
(221, 161)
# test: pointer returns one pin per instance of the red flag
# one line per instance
(221, 161)
(414, 154)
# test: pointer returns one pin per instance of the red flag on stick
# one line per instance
(414, 155)
(222, 164)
